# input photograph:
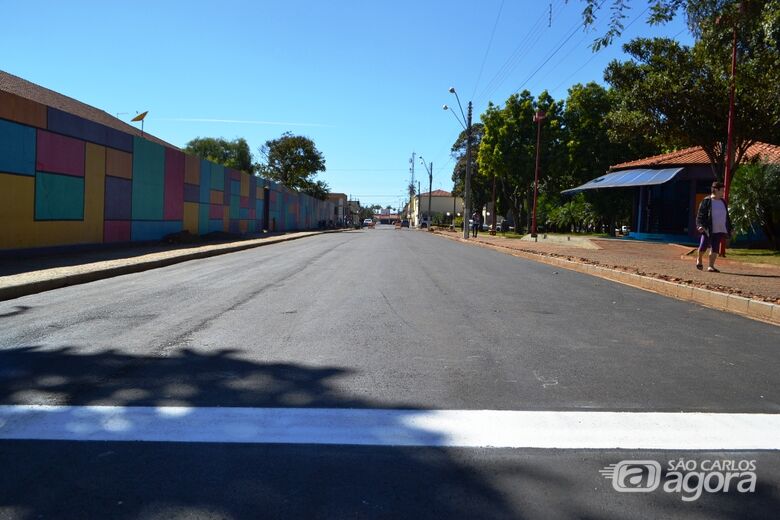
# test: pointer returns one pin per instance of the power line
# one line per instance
(487, 51)
(526, 43)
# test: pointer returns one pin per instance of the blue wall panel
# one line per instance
(17, 148)
(191, 193)
(203, 219)
(74, 126)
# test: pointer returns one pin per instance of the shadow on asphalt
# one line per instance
(63, 479)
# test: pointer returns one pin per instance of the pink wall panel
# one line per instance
(215, 211)
(173, 208)
(116, 231)
(59, 154)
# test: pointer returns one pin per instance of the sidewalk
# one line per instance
(609, 258)
(20, 276)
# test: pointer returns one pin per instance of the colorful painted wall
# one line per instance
(65, 180)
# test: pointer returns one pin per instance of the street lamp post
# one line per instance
(493, 222)
(538, 118)
(430, 187)
(466, 124)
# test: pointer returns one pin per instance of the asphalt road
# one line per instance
(375, 319)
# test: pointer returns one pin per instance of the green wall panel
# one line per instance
(59, 197)
(148, 180)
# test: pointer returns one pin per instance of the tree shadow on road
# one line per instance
(107, 479)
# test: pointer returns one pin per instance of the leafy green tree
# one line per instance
(674, 95)
(233, 154)
(508, 151)
(293, 161)
(481, 188)
(755, 200)
(318, 189)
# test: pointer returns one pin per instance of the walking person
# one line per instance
(474, 224)
(714, 224)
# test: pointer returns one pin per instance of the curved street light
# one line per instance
(466, 124)
(430, 187)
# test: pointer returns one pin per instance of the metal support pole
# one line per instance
(538, 117)
(467, 184)
(430, 188)
(493, 223)
(730, 132)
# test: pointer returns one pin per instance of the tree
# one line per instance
(232, 154)
(679, 97)
(294, 161)
(317, 189)
(480, 190)
(508, 151)
(755, 200)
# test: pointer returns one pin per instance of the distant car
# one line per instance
(404, 223)
(624, 230)
(368, 222)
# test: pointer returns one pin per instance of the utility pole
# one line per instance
(538, 118)
(430, 188)
(467, 187)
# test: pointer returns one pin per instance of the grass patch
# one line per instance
(755, 256)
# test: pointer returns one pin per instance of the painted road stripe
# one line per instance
(442, 428)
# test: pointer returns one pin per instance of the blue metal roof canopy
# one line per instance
(627, 179)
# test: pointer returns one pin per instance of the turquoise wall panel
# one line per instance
(205, 181)
(217, 177)
(216, 225)
(235, 206)
(203, 218)
(59, 197)
(17, 148)
(150, 230)
(148, 180)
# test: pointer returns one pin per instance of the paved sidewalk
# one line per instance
(24, 275)
(752, 290)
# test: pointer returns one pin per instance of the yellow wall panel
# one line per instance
(242, 225)
(260, 193)
(94, 192)
(17, 195)
(244, 184)
(22, 110)
(217, 197)
(55, 233)
(191, 169)
(191, 217)
(119, 164)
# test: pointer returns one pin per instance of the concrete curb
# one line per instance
(10, 292)
(750, 308)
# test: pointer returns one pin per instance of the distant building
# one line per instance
(668, 189)
(442, 203)
(340, 208)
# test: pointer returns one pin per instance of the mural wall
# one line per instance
(66, 180)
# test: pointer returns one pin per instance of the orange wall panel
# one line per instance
(191, 169)
(191, 217)
(22, 110)
(119, 164)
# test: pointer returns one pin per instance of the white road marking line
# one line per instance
(379, 427)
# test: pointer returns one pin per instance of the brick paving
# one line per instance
(664, 261)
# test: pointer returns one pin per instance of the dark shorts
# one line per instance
(712, 241)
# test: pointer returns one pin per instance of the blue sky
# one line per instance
(365, 80)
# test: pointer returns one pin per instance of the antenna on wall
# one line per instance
(140, 117)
